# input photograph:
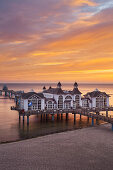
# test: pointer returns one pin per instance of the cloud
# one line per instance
(54, 38)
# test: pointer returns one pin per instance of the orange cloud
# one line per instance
(67, 44)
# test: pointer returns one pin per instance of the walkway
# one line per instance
(83, 149)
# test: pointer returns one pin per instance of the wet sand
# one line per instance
(83, 149)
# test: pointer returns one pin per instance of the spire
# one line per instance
(75, 85)
(50, 87)
(59, 85)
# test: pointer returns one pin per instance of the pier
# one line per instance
(94, 114)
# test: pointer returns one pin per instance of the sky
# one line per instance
(56, 40)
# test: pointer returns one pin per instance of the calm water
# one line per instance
(12, 130)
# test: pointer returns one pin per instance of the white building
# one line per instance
(52, 98)
(32, 101)
(60, 99)
(56, 98)
(95, 99)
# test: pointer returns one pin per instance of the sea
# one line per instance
(12, 130)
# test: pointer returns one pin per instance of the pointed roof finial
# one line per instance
(59, 85)
(50, 87)
(44, 88)
(75, 85)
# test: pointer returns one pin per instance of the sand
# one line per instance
(84, 149)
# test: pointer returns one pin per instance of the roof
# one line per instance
(29, 94)
(54, 91)
(76, 91)
(96, 93)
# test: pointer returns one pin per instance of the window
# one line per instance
(101, 101)
(77, 100)
(68, 98)
(60, 102)
(50, 105)
(39, 104)
(34, 103)
(67, 102)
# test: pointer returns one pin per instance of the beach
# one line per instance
(87, 148)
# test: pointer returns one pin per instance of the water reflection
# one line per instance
(42, 124)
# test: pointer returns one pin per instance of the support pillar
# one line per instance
(61, 116)
(97, 121)
(92, 121)
(41, 116)
(74, 118)
(66, 116)
(27, 120)
(23, 119)
(52, 117)
(19, 118)
(112, 126)
(106, 113)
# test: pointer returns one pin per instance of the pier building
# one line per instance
(51, 98)
(96, 99)
(57, 98)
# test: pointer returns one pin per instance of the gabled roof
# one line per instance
(96, 94)
(54, 91)
(29, 94)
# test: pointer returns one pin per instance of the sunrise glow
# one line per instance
(51, 40)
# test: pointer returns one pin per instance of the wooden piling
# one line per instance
(27, 120)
